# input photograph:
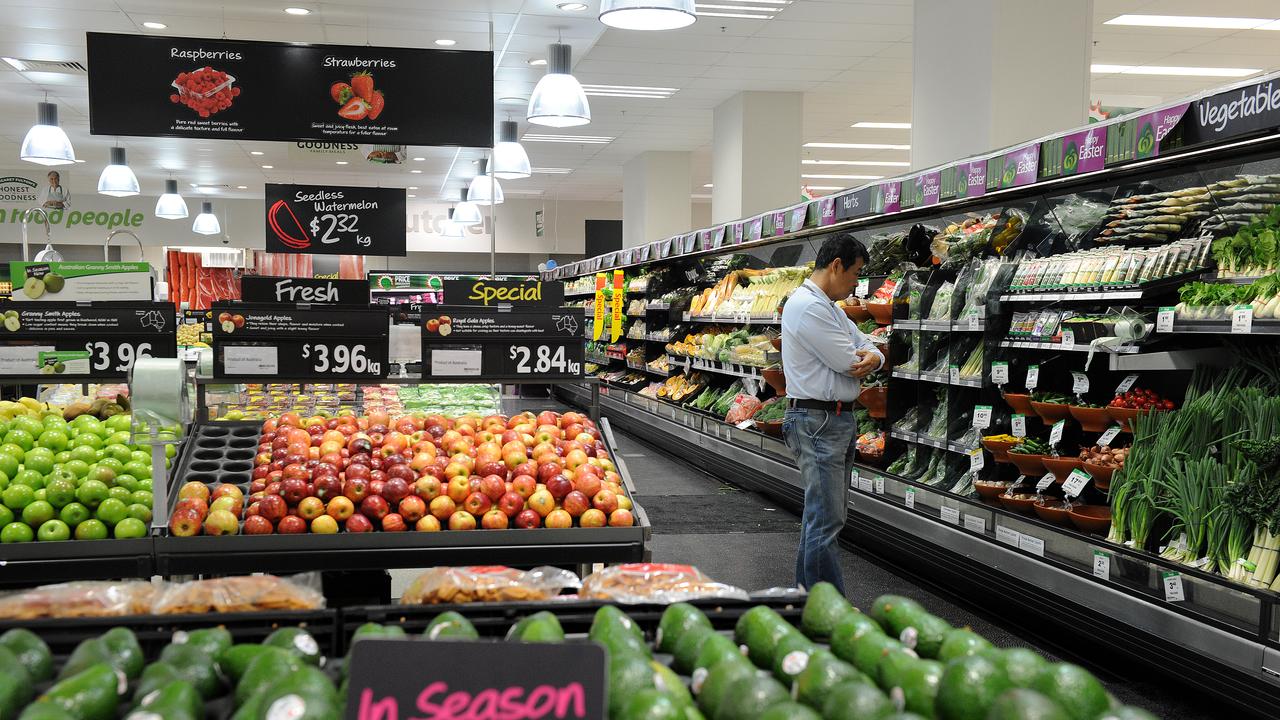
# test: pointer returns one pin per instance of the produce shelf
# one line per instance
(1223, 327)
(735, 319)
(36, 563)
(939, 378)
(714, 366)
(1078, 347)
(1133, 292)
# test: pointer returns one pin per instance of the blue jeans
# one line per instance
(824, 446)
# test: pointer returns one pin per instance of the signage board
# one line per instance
(102, 339)
(1233, 113)
(526, 293)
(262, 289)
(284, 340)
(69, 282)
(335, 220)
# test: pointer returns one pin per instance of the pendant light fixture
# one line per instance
(46, 143)
(558, 99)
(171, 206)
(467, 212)
(485, 189)
(647, 14)
(451, 228)
(117, 179)
(206, 222)
(510, 161)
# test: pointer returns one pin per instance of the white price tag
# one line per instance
(909, 497)
(975, 322)
(864, 484)
(1055, 433)
(950, 515)
(954, 374)
(1079, 382)
(982, 416)
(1033, 545)
(1033, 377)
(879, 485)
(854, 480)
(1068, 340)
(1101, 565)
(1019, 423)
(975, 524)
(1241, 323)
(976, 459)
(1105, 439)
(250, 360)
(745, 424)
(864, 288)
(999, 373)
(1164, 320)
(1075, 482)
(1172, 582)
(1125, 384)
(456, 362)
(1045, 481)
(1007, 536)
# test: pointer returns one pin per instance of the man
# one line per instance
(824, 356)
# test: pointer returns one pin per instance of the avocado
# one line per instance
(155, 676)
(538, 627)
(449, 626)
(928, 631)
(265, 670)
(790, 656)
(233, 661)
(856, 701)
(886, 605)
(211, 641)
(618, 639)
(15, 691)
(666, 680)
(969, 686)
(90, 651)
(868, 650)
(371, 631)
(920, 687)
(194, 666)
(823, 672)
(91, 694)
(297, 641)
(1022, 666)
(893, 667)
(609, 616)
(789, 711)
(847, 632)
(822, 610)
(715, 650)
(712, 688)
(747, 697)
(960, 642)
(307, 683)
(177, 700)
(677, 620)
(32, 652)
(649, 704)
(685, 653)
(628, 675)
(45, 711)
(760, 629)
(1074, 688)
(1023, 704)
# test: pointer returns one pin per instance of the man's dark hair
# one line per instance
(844, 246)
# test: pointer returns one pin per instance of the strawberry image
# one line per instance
(355, 109)
(362, 83)
(375, 104)
(340, 92)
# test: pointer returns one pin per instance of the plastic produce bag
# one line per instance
(743, 407)
(635, 583)
(93, 598)
(493, 583)
(240, 594)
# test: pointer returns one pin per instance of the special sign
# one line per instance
(332, 220)
(530, 293)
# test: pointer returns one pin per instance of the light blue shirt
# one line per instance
(819, 345)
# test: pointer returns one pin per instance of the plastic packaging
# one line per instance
(743, 407)
(97, 598)
(493, 583)
(636, 583)
(240, 594)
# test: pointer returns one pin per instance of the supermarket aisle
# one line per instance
(744, 539)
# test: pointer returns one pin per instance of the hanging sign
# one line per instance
(976, 179)
(68, 282)
(892, 194)
(299, 343)
(262, 289)
(1020, 166)
(334, 220)
(619, 295)
(1154, 128)
(856, 204)
(525, 293)
(597, 328)
(527, 341)
(239, 90)
(57, 340)
(1233, 113)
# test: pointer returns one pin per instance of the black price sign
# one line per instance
(237, 90)
(518, 294)
(438, 679)
(333, 220)
(297, 343)
(62, 340)
(260, 289)
(498, 344)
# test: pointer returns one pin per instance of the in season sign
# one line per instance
(64, 339)
(334, 220)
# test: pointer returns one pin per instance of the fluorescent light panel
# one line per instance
(883, 125)
(857, 146)
(1195, 21)
(862, 163)
(552, 171)
(582, 139)
(1101, 69)
(629, 91)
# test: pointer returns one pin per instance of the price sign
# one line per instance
(879, 485)
(863, 288)
(340, 359)
(953, 373)
(1055, 433)
(1241, 320)
(1171, 581)
(976, 459)
(909, 497)
(334, 220)
(1000, 373)
(865, 484)
(976, 524)
(58, 341)
(1079, 382)
(1068, 340)
(1126, 383)
(1033, 545)
(300, 343)
(542, 360)
(1033, 376)
(1105, 439)
(1101, 565)
(975, 322)
(1019, 423)
(1045, 481)
(854, 479)
(982, 417)
(1008, 536)
(519, 331)
(950, 515)
(104, 357)
(1075, 482)
(1164, 320)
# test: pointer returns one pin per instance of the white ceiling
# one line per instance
(851, 59)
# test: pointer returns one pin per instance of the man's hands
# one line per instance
(868, 362)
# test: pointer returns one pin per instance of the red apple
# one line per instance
(527, 467)
(194, 489)
(442, 507)
(393, 522)
(587, 483)
(355, 489)
(198, 505)
(462, 520)
(427, 487)
(621, 518)
(185, 523)
(340, 508)
(272, 507)
(293, 490)
(528, 519)
(328, 486)
(605, 501)
(576, 503)
(477, 504)
(511, 503)
(412, 508)
(428, 523)
(396, 489)
(542, 502)
(459, 488)
(524, 485)
(558, 519)
(546, 471)
(311, 508)
(227, 503)
(257, 525)
(374, 507)
(558, 486)
(593, 518)
(227, 490)
(546, 417)
(358, 524)
(291, 525)
(494, 520)
(493, 486)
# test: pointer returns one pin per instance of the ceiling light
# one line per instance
(630, 91)
(155, 26)
(647, 14)
(700, 196)
(171, 206)
(571, 6)
(412, 187)
(552, 171)
(466, 212)
(582, 139)
(485, 189)
(843, 177)
(268, 167)
(297, 11)
(206, 222)
(411, 195)
(419, 159)
(206, 189)
(558, 100)
(1189, 21)
(117, 180)
(857, 146)
(416, 172)
(863, 163)
(512, 100)
(883, 125)
(46, 143)
(340, 162)
(743, 16)
(446, 42)
(536, 62)
(450, 228)
(708, 185)
(510, 161)
(242, 187)
(1099, 69)
(256, 152)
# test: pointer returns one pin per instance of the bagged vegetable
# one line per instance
(634, 583)
(743, 407)
(92, 598)
(245, 593)
(493, 583)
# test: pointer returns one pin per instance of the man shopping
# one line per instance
(824, 356)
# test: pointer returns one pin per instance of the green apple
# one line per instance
(112, 511)
(141, 497)
(16, 532)
(30, 478)
(39, 459)
(37, 513)
(21, 438)
(9, 464)
(140, 470)
(120, 494)
(17, 497)
(91, 530)
(139, 511)
(130, 527)
(84, 453)
(53, 530)
(92, 493)
(74, 513)
(78, 468)
(60, 492)
(54, 439)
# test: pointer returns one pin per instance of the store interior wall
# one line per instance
(655, 196)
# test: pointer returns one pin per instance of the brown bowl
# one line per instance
(1029, 465)
(1056, 514)
(1020, 402)
(1101, 475)
(776, 379)
(874, 400)
(1061, 467)
(1051, 413)
(999, 449)
(881, 312)
(777, 343)
(1091, 419)
(1091, 519)
(857, 313)
(770, 427)
(1020, 503)
(989, 489)
(1124, 416)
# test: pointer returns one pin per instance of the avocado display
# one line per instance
(677, 620)
(447, 626)
(538, 627)
(823, 610)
